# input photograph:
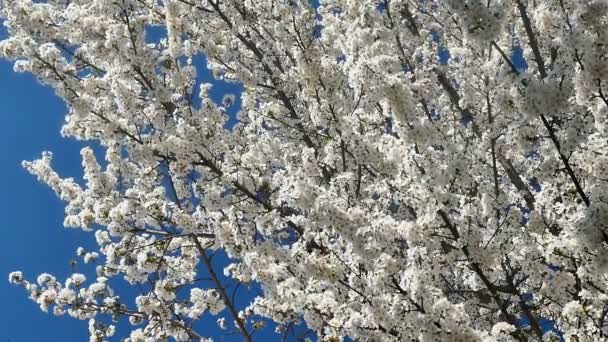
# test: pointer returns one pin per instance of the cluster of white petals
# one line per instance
(396, 172)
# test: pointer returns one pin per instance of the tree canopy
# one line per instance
(432, 170)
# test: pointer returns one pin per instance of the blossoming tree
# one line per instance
(374, 190)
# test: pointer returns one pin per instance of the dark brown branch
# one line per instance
(564, 159)
(222, 291)
(543, 73)
(532, 39)
(601, 92)
(505, 58)
(510, 275)
(511, 172)
(477, 269)
(412, 26)
(283, 212)
(517, 182)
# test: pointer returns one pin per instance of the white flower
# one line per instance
(78, 279)
(97, 287)
(58, 311)
(66, 296)
(90, 257)
(46, 299)
(503, 328)
(572, 309)
(228, 100)
(110, 301)
(45, 278)
(204, 300)
(135, 319)
(369, 188)
(15, 277)
(22, 66)
(102, 237)
(221, 322)
(137, 336)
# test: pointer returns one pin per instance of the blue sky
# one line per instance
(35, 240)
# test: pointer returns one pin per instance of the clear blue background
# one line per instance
(32, 226)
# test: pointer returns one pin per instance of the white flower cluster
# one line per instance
(374, 188)
(481, 23)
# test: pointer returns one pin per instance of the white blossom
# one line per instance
(15, 277)
(397, 172)
(78, 279)
(503, 328)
